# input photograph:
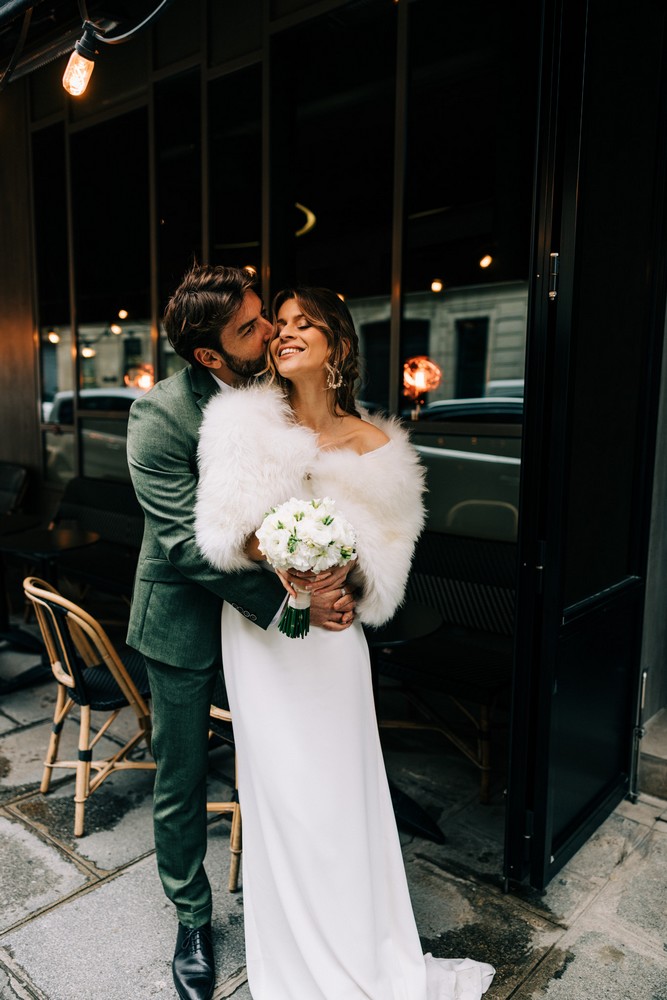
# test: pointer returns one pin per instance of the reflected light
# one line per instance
(311, 219)
(140, 377)
(53, 337)
(115, 328)
(486, 260)
(420, 375)
(340, 296)
(87, 352)
(122, 314)
(250, 268)
(436, 285)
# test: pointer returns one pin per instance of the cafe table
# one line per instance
(411, 621)
(40, 546)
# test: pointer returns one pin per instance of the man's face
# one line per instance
(242, 342)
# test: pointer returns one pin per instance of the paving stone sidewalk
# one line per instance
(85, 917)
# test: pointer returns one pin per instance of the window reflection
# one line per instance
(111, 263)
(332, 168)
(235, 168)
(472, 85)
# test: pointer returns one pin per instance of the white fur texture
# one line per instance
(252, 456)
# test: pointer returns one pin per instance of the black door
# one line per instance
(596, 315)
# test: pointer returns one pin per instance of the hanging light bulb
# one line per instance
(53, 337)
(116, 328)
(81, 63)
(436, 285)
(486, 260)
(122, 314)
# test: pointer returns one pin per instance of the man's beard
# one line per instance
(242, 367)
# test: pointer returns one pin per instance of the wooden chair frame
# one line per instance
(74, 638)
(232, 807)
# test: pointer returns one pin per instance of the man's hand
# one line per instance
(332, 609)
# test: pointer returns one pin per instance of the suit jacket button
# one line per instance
(247, 614)
(253, 618)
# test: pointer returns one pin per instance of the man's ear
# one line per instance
(207, 358)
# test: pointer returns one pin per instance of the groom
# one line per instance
(216, 322)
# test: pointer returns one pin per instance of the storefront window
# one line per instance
(235, 168)
(109, 173)
(471, 120)
(179, 193)
(332, 168)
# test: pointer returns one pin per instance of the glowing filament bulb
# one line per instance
(436, 286)
(77, 75)
(486, 260)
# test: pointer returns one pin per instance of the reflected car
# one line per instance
(471, 449)
(103, 440)
(482, 409)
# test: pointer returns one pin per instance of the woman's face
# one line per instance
(298, 349)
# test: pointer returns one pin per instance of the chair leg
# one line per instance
(82, 772)
(54, 740)
(235, 848)
(235, 839)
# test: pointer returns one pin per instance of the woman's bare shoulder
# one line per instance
(368, 437)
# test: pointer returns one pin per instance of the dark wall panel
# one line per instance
(19, 439)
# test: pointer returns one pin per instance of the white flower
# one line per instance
(307, 535)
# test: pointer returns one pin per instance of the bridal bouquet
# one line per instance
(305, 535)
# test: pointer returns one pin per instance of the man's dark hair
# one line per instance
(206, 300)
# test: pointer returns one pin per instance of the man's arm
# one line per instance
(163, 471)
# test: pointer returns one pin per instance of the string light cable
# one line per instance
(82, 61)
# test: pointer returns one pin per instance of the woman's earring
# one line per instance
(334, 377)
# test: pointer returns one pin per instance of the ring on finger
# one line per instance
(343, 591)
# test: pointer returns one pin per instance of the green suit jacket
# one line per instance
(177, 599)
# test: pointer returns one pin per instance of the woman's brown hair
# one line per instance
(326, 311)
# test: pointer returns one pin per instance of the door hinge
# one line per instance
(554, 260)
(539, 568)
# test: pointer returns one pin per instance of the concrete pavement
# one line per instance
(86, 918)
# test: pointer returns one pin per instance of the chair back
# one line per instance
(76, 644)
(470, 581)
(13, 483)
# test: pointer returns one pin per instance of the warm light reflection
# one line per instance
(250, 268)
(87, 352)
(53, 337)
(420, 375)
(310, 222)
(77, 74)
(140, 377)
(436, 285)
(340, 296)
(486, 260)
(115, 328)
(122, 314)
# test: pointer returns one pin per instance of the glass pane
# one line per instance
(110, 172)
(176, 34)
(471, 127)
(234, 29)
(235, 168)
(610, 330)
(51, 252)
(178, 166)
(332, 168)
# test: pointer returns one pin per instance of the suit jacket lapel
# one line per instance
(202, 384)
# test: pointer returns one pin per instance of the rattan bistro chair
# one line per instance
(221, 731)
(92, 675)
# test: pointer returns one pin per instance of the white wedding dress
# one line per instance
(326, 905)
(327, 910)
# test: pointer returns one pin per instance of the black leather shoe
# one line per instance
(193, 966)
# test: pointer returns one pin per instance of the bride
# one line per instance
(326, 906)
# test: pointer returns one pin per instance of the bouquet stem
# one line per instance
(295, 619)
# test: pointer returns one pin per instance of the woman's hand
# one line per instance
(330, 579)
